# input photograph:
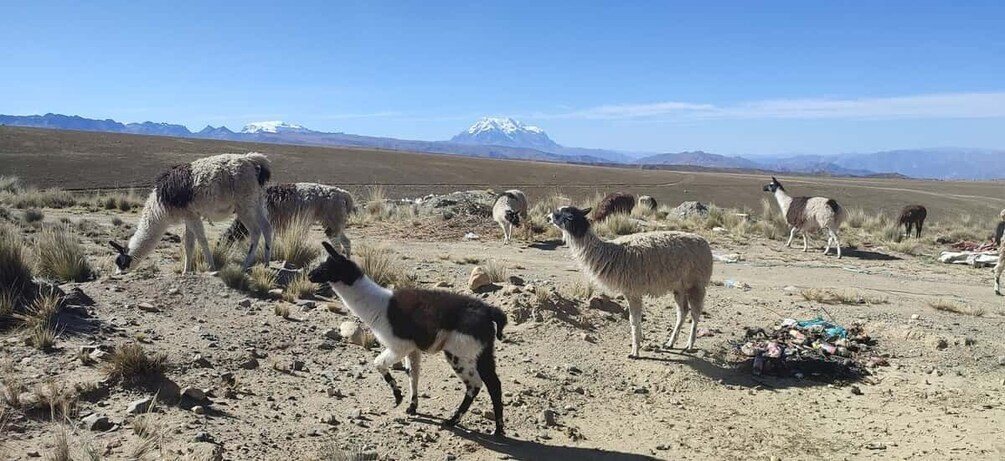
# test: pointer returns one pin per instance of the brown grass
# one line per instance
(61, 256)
(946, 305)
(293, 243)
(383, 267)
(130, 364)
(300, 288)
(261, 279)
(495, 270)
(828, 296)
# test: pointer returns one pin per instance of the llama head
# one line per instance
(513, 217)
(571, 220)
(335, 269)
(123, 260)
(773, 186)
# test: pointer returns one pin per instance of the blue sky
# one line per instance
(732, 77)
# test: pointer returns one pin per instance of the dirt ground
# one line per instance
(942, 397)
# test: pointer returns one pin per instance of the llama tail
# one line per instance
(262, 165)
(499, 318)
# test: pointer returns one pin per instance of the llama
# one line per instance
(644, 264)
(328, 205)
(509, 208)
(1000, 265)
(809, 214)
(648, 202)
(410, 322)
(210, 187)
(617, 203)
(913, 216)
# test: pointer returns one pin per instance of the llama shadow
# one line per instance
(527, 450)
(868, 255)
(777, 375)
(546, 245)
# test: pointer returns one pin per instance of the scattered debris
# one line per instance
(471, 236)
(728, 259)
(736, 284)
(971, 258)
(815, 347)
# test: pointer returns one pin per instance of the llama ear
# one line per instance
(773, 179)
(118, 247)
(331, 250)
(587, 211)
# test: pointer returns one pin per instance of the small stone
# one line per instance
(969, 341)
(199, 410)
(915, 316)
(489, 415)
(356, 414)
(34, 454)
(250, 364)
(245, 303)
(514, 280)
(96, 422)
(306, 305)
(328, 419)
(510, 290)
(139, 406)
(202, 437)
(450, 457)
(98, 355)
(589, 338)
(478, 279)
(194, 393)
(147, 307)
(201, 362)
(227, 378)
(332, 334)
(530, 289)
(855, 390)
(548, 418)
(334, 392)
(442, 284)
(1001, 360)
(276, 292)
(173, 292)
(352, 332)
(940, 343)
(640, 390)
(297, 365)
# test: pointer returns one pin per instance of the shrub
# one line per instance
(130, 364)
(300, 288)
(11, 184)
(293, 244)
(15, 270)
(495, 271)
(61, 257)
(619, 224)
(261, 279)
(33, 215)
(234, 277)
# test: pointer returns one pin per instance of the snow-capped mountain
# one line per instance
(273, 127)
(506, 132)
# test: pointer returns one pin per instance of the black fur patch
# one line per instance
(336, 269)
(264, 174)
(572, 220)
(796, 216)
(175, 187)
(418, 315)
(912, 214)
(513, 217)
(833, 204)
(506, 194)
(614, 204)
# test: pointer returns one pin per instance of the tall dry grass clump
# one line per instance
(300, 287)
(293, 244)
(15, 269)
(261, 279)
(617, 225)
(376, 200)
(60, 256)
(130, 364)
(10, 184)
(383, 267)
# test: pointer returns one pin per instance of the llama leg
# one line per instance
(266, 228)
(830, 238)
(635, 317)
(414, 364)
(466, 369)
(254, 232)
(806, 244)
(189, 250)
(345, 243)
(837, 243)
(999, 268)
(200, 234)
(696, 301)
(487, 371)
(792, 235)
(917, 227)
(383, 362)
(681, 299)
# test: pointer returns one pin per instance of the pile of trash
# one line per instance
(461, 204)
(814, 347)
(971, 254)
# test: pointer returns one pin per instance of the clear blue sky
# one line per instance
(733, 77)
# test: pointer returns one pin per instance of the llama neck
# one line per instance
(151, 226)
(365, 298)
(783, 200)
(590, 250)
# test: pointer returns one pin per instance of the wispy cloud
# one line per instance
(383, 114)
(938, 105)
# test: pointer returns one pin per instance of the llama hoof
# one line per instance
(998, 293)
(451, 422)
(499, 432)
(412, 410)
(397, 397)
(633, 356)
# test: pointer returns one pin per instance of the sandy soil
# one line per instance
(931, 403)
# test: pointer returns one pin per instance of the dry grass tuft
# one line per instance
(33, 215)
(40, 320)
(376, 201)
(282, 310)
(11, 184)
(61, 446)
(946, 305)
(61, 256)
(293, 244)
(383, 267)
(234, 277)
(497, 272)
(131, 365)
(619, 224)
(331, 452)
(12, 385)
(581, 289)
(15, 269)
(828, 296)
(60, 400)
(261, 279)
(300, 287)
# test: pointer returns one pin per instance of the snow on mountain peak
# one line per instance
(506, 125)
(274, 126)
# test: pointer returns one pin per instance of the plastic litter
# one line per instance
(471, 236)
(812, 347)
(735, 284)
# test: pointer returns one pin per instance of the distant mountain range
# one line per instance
(510, 139)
